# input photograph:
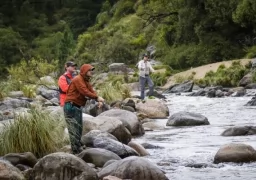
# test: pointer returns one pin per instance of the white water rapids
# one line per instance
(197, 145)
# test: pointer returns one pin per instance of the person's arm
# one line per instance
(151, 68)
(62, 82)
(84, 90)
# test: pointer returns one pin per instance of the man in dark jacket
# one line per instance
(78, 92)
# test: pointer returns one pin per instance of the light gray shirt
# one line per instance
(144, 68)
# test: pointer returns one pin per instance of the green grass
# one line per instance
(114, 91)
(226, 77)
(36, 132)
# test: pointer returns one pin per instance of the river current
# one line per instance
(188, 152)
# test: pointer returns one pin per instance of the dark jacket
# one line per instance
(80, 88)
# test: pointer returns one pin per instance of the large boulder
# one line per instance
(63, 166)
(240, 131)
(92, 108)
(252, 102)
(129, 119)
(237, 92)
(26, 158)
(187, 119)
(118, 68)
(112, 145)
(112, 125)
(88, 139)
(247, 79)
(186, 86)
(47, 93)
(237, 153)
(11, 103)
(98, 156)
(153, 108)
(251, 86)
(135, 168)
(9, 172)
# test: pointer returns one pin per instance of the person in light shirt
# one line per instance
(145, 69)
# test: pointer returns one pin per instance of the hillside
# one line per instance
(201, 71)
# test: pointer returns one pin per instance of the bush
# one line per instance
(113, 91)
(30, 71)
(159, 79)
(251, 52)
(29, 91)
(36, 132)
(227, 77)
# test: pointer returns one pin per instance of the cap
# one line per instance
(145, 55)
(70, 63)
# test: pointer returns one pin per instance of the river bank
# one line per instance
(201, 71)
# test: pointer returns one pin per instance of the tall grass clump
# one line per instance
(35, 132)
(115, 91)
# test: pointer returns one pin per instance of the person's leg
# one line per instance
(79, 126)
(72, 125)
(151, 86)
(142, 87)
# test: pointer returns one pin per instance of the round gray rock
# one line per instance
(135, 168)
(237, 153)
(63, 166)
(98, 156)
(187, 119)
(240, 131)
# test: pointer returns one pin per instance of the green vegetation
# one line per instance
(114, 91)
(36, 132)
(185, 33)
(227, 77)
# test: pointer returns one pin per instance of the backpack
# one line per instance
(68, 81)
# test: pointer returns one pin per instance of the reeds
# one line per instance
(36, 132)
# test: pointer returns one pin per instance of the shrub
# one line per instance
(34, 69)
(29, 91)
(159, 79)
(227, 77)
(251, 52)
(113, 91)
(36, 132)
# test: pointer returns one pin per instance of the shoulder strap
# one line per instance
(67, 79)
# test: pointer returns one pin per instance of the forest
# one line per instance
(179, 33)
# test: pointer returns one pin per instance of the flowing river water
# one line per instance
(188, 152)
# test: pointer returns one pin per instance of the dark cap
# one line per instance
(70, 63)
(145, 55)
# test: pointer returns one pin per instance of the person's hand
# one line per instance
(100, 104)
(100, 99)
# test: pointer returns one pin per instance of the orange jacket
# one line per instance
(63, 85)
(80, 88)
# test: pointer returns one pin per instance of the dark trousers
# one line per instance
(143, 81)
(74, 120)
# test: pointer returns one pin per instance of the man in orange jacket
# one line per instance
(80, 89)
(65, 80)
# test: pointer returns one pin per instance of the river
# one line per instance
(197, 145)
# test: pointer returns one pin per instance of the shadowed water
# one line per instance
(196, 146)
